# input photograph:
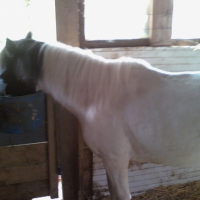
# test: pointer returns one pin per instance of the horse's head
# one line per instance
(20, 65)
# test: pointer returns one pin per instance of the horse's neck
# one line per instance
(71, 78)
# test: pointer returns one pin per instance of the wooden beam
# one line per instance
(52, 153)
(67, 130)
(67, 21)
(76, 176)
(116, 43)
(161, 23)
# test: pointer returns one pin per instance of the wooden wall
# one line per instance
(167, 58)
(161, 22)
(30, 170)
(145, 176)
(24, 171)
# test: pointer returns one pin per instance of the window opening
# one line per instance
(186, 15)
(18, 17)
(109, 21)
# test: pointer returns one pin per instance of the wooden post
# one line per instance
(74, 155)
(52, 153)
(161, 22)
(85, 169)
(67, 21)
(67, 135)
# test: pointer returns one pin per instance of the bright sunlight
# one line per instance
(18, 17)
(116, 19)
(186, 15)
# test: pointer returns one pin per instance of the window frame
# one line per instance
(105, 43)
(161, 12)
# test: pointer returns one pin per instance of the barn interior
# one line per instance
(43, 154)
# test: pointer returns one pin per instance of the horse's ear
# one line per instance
(10, 46)
(29, 35)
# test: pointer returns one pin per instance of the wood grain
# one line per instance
(52, 153)
(23, 173)
(24, 191)
(161, 23)
(23, 154)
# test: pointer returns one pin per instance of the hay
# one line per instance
(188, 191)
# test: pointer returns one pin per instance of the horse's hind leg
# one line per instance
(117, 176)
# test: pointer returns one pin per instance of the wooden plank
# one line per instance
(87, 164)
(87, 180)
(179, 68)
(148, 52)
(168, 175)
(24, 191)
(23, 154)
(116, 43)
(158, 180)
(173, 61)
(52, 155)
(23, 173)
(149, 49)
(166, 58)
(144, 176)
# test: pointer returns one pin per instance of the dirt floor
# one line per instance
(188, 191)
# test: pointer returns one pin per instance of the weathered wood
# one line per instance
(81, 145)
(87, 164)
(23, 154)
(24, 191)
(166, 58)
(67, 20)
(149, 52)
(23, 173)
(85, 169)
(161, 23)
(87, 180)
(117, 43)
(52, 154)
(67, 129)
(144, 176)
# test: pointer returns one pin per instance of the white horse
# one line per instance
(127, 108)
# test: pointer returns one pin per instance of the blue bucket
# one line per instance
(22, 113)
